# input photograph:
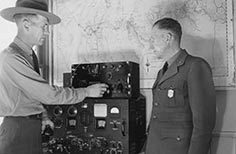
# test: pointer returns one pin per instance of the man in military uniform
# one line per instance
(184, 104)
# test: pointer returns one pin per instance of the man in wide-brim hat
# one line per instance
(39, 7)
(22, 89)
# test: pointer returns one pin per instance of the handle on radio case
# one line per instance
(123, 128)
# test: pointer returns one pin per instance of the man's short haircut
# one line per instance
(171, 25)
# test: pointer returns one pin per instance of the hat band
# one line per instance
(37, 6)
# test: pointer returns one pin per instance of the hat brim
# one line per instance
(9, 13)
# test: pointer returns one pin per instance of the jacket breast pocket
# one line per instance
(173, 93)
(175, 140)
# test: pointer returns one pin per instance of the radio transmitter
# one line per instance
(122, 77)
(98, 126)
(114, 124)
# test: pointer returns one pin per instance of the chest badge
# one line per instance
(170, 93)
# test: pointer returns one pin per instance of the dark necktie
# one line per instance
(165, 67)
(35, 61)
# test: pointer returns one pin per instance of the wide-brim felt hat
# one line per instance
(30, 7)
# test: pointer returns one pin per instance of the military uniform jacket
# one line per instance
(184, 108)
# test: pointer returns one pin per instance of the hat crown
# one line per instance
(30, 7)
(33, 4)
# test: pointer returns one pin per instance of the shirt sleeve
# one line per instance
(22, 76)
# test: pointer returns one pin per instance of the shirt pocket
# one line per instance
(173, 93)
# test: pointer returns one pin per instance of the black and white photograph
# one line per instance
(117, 76)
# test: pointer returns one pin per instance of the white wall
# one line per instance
(7, 29)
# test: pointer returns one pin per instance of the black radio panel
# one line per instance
(98, 126)
(122, 77)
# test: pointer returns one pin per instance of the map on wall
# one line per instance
(119, 30)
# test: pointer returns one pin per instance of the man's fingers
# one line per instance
(43, 127)
(47, 123)
(103, 85)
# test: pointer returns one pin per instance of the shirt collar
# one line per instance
(26, 48)
(173, 58)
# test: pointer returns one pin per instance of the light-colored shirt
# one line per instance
(23, 90)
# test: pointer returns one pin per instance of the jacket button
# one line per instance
(178, 138)
(156, 104)
(154, 117)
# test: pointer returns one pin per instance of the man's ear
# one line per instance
(169, 36)
(26, 24)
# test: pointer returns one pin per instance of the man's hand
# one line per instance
(45, 122)
(96, 90)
